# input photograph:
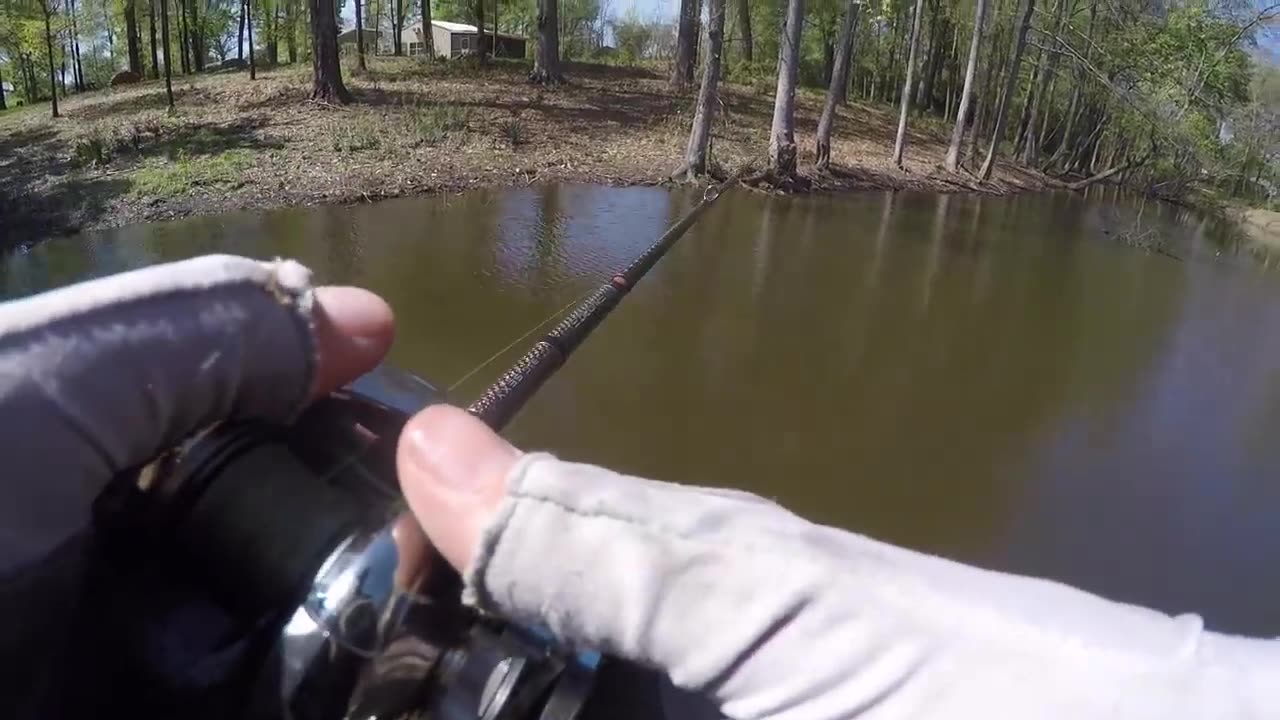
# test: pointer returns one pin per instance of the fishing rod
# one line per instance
(299, 535)
(509, 393)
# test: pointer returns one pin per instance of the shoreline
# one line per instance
(415, 129)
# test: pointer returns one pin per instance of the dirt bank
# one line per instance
(118, 157)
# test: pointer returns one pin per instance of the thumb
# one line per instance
(453, 472)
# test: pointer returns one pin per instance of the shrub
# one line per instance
(432, 124)
(513, 129)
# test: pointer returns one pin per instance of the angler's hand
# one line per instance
(771, 616)
(98, 377)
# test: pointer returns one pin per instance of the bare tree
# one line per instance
(782, 134)
(839, 79)
(1010, 86)
(900, 145)
(326, 71)
(708, 95)
(686, 44)
(966, 95)
(546, 59)
(744, 29)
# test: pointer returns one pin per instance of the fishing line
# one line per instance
(543, 323)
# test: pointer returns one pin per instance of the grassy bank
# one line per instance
(118, 157)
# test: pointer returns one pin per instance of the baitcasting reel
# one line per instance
(301, 532)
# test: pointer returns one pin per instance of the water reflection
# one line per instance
(994, 379)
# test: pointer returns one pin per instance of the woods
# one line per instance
(1164, 98)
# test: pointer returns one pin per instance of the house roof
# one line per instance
(454, 27)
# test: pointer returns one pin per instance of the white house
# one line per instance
(453, 40)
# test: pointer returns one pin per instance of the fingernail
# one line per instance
(440, 463)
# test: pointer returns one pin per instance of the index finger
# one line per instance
(99, 377)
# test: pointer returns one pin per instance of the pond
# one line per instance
(1000, 380)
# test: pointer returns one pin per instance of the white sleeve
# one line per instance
(775, 617)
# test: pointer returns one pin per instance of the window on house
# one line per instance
(415, 48)
(465, 43)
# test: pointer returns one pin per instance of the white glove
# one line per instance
(775, 617)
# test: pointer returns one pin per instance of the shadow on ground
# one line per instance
(45, 191)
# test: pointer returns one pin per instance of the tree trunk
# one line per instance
(397, 27)
(248, 23)
(240, 34)
(273, 45)
(828, 60)
(197, 37)
(844, 50)
(326, 72)
(686, 44)
(1073, 108)
(291, 41)
(481, 51)
(546, 57)
(360, 64)
(782, 135)
(1030, 147)
(708, 95)
(1011, 86)
(2, 103)
(155, 53)
(75, 48)
(182, 37)
(937, 57)
(428, 39)
(168, 52)
(900, 145)
(842, 94)
(132, 38)
(48, 43)
(966, 95)
(744, 29)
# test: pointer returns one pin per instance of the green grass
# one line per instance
(432, 124)
(178, 177)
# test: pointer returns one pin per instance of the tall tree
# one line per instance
(326, 71)
(966, 95)
(782, 134)
(360, 64)
(481, 51)
(900, 145)
(1030, 147)
(1010, 87)
(49, 7)
(184, 39)
(168, 52)
(248, 22)
(196, 37)
(546, 58)
(839, 81)
(744, 29)
(686, 44)
(151, 22)
(78, 66)
(708, 94)
(132, 39)
(397, 27)
(240, 34)
(2, 102)
(428, 38)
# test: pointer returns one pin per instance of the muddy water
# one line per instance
(999, 380)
